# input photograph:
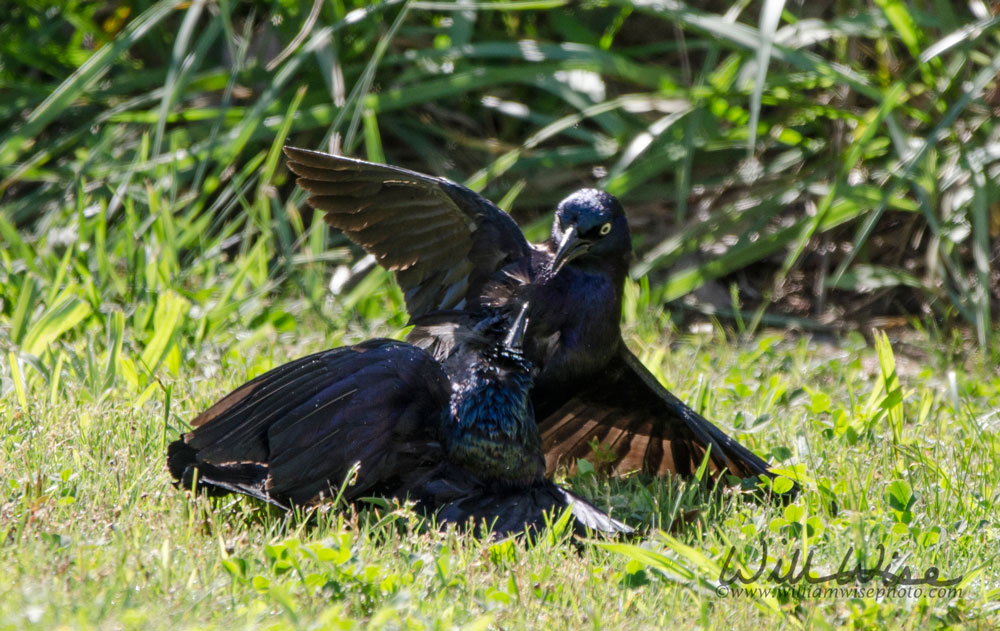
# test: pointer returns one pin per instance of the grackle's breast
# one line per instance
(573, 331)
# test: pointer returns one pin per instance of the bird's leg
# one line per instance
(487, 323)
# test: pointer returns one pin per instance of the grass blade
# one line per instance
(770, 15)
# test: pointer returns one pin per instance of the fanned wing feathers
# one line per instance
(639, 424)
(306, 423)
(442, 240)
(726, 452)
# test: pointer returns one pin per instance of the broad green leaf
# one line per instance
(63, 315)
(170, 310)
(19, 388)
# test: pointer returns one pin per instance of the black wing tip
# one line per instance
(300, 152)
(753, 474)
(248, 478)
(752, 469)
(315, 158)
(307, 157)
(180, 457)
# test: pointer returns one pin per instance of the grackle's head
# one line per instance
(589, 224)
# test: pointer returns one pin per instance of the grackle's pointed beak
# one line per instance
(515, 336)
(570, 246)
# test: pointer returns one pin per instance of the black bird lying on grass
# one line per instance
(459, 439)
(448, 247)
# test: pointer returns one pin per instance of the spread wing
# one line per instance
(639, 425)
(295, 432)
(442, 240)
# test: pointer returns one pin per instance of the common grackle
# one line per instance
(448, 246)
(459, 439)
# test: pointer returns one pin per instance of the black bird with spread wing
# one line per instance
(458, 438)
(448, 246)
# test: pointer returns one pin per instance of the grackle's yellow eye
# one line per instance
(605, 229)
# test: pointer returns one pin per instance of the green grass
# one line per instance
(154, 254)
(94, 536)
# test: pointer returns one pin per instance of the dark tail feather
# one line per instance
(246, 478)
(517, 511)
(589, 517)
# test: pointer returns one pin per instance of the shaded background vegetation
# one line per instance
(833, 161)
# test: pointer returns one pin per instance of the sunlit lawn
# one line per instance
(94, 535)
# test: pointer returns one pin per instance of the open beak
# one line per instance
(570, 246)
(515, 336)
